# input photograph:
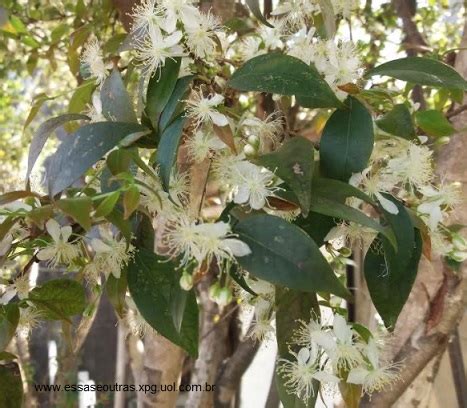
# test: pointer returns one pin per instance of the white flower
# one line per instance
(343, 65)
(200, 37)
(248, 48)
(145, 16)
(414, 166)
(272, 36)
(253, 186)
(94, 111)
(59, 251)
(179, 10)
(203, 109)
(261, 328)
(436, 202)
(301, 372)
(20, 287)
(351, 234)
(202, 144)
(183, 236)
(340, 347)
(268, 129)
(111, 255)
(93, 60)
(373, 184)
(301, 45)
(153, 49)
(296, 12)
(28, 320)
(373, 376)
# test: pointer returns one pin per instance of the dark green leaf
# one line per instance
(285, 75)
(11, 386)
(43, 133)
(9, 318)
(168, 148)
(154, 284)
(79, 151)
(398, 122)
(421, 71)
(116, 102)
(256, 10)
(389, 274)
(434, 123)
(317, 226)
(284, 254)
(79, 208)
(59, 299)
(116, 291)
(160, 89)
(347, 141)
(174, 106)
(293, 163)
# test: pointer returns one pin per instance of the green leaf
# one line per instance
(256, 10)
(175, 105)
(79, 151)
(107, 205)
(130, 201)
(154, 284)
(293, 163)
(347, 141)
(167, 150)
(116, 218)
(6, 356)
(285, 75)
(78, 208)
(285, 255)
(398, 122)
(16, 195)
(434, 123)
(116, 291)
(42, 134)
(389, 274)
(119, 160)
(160, 89)
(59, 299)
(292, 306)
(11, 386)
(81, 97)
(316, 225)
(421, 71)
(9, 318)
(116, 102)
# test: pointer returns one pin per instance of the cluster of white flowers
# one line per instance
(331, 354)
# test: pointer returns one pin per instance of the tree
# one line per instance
(204, 172)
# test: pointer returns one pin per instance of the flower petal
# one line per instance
(237, 247)
(53, 228)
(218, 118)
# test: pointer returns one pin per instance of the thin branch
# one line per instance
(456, 112)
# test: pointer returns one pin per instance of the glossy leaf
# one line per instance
(285, 255)
(9, 318)
(78, 208)
(153, 284)
(347, 141)
(421, 71)
(398, 122)
(42, 134)
(59, 299)
(168, 148)
(79, 151)
(256, 10)
(107, 205)
(160, 89)
(175, 105)
(434, 123)
(316, 225)
(116, 102)
(285, 75)
(293, 163)
(389, 274)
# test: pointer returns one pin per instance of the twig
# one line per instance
(456, 112)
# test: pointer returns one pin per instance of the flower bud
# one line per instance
(224, 297)
(254, 141)
(186, 281)
(459, 242)
(249, 151)
(214, 291)
(345, 252)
